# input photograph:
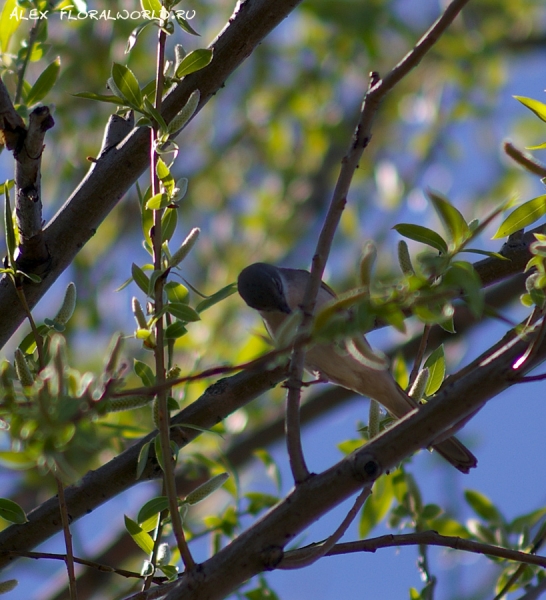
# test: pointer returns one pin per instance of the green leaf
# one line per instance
(141, 279)
(100, 97)
(28, 344)
(8, 229)
(175, 330)
(454, 222)
(44, 83)
(170, 571)
(524, 215)
(534, 105)
(462, 274)
(218, 296)
(176, 292)
(154, 114)
(257, 502)
(423, 235)
(377, 505)
(185, 25)
(12, 512)
(151, 509)
(182, 311)
(151, 6)
(483, 507)
(436, 364)
(142, 539)
(142, 459)
(158, 201)
(164, 174)
(126, 85)
(8, 25)
(194, 61)
(144, 372)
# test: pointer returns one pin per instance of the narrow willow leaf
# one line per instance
(142, 459)
(142, 539)
(152, 6)
(154, 114)
(152, 508)
(422, 234)
(436, 365)
(176, 292)
(144, 372)
(44, 83)
(183, 312)
(168, 224)
(8, 25)
(220, 295)
(185, 25)
(8, 229)
(126, 85)
(453, 220)
(175, 330)
(524, 215)
(100, 98)
(12, 512)
(141, 279)
(534, 105)
(194, 61)
(158, 201)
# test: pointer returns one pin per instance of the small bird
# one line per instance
(277, 292)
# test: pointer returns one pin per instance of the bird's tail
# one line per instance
(398, 403)
(457, 454)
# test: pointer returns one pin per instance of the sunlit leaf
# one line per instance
(534, 105)
(141, 279)
(126, 85)
(422, 234)
(9, 25)
(142, 539)
(524, 215)
(452, 219)
(436, 365)
(194, 61)
(44, 83)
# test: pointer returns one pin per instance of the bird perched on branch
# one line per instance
(278, 292)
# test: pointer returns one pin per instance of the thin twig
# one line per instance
(318, 551)
(431, 538)
(67, 539)
(162, 397)
(81, 561)
(525, 160)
